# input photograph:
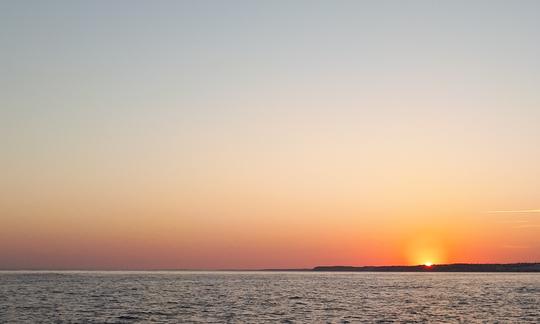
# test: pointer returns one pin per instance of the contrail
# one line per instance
(514, 211)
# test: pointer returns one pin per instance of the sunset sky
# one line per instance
(268, 134)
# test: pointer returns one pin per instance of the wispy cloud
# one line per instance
(513, 221)
(511, 246)
(520, 211)
(520, 222)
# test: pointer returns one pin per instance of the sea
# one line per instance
(268, 297)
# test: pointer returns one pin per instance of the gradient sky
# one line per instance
(251, 134)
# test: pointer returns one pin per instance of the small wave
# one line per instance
(127, 317)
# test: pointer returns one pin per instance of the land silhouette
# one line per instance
(455, 267)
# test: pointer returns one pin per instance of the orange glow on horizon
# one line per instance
(426, 249)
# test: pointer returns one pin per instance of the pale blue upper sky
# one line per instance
(72, 66)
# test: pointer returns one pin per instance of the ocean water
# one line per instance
(257, 297)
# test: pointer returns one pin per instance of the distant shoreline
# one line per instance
(455, 267)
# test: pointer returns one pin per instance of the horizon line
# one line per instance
(250, 270)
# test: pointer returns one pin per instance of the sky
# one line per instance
(268, 134)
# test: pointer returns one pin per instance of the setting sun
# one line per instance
(426, 248)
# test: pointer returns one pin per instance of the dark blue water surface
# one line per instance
(254, 297)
